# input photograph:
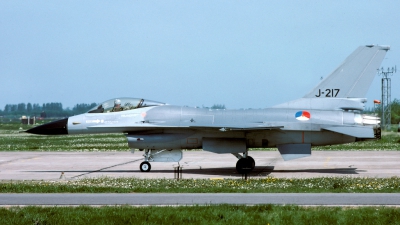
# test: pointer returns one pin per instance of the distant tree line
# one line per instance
(395, 113)
(53, 109)
(218, 106)
(215, 106)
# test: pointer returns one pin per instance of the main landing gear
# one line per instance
(245, 164)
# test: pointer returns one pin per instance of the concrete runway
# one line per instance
(196, 164)
(144, 199)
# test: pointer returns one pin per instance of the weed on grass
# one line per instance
(267, 185)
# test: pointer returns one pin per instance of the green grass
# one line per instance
(390, 142)
(213, 214)
(12, 140)
(89, 142)
(267, 185)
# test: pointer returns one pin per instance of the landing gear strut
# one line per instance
(245, 164)
(145, 166)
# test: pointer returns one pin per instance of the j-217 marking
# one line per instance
(330, 93)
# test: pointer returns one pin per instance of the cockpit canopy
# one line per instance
(123, 104)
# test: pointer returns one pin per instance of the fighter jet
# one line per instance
(329, 114)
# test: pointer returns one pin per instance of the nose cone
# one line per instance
(53, 128)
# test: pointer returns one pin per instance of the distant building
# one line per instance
(43, 114)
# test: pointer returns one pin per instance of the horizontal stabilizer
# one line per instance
(358, 132)
(294, 151)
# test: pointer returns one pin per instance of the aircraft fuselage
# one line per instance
(175, 127)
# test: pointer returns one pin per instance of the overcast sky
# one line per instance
(244, 54)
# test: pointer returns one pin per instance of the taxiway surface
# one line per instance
(196, 164)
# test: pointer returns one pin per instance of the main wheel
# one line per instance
(145, 167)
(244, 165)
(252, 162)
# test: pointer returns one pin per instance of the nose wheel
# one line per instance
(145, 167)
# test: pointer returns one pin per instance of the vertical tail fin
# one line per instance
(346, 87)
(354, 76)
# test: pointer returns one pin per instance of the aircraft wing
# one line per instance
(213, 127)
(354, 131)
(238, 128)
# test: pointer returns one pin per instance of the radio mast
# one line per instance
(386, 97)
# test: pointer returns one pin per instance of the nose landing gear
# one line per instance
(145, 167)
(172, 155)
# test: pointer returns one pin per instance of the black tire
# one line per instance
(145, 167)
(252, 162)
(244, 165)
(239, 166)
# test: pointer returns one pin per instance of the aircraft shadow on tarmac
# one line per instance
(261, 171)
